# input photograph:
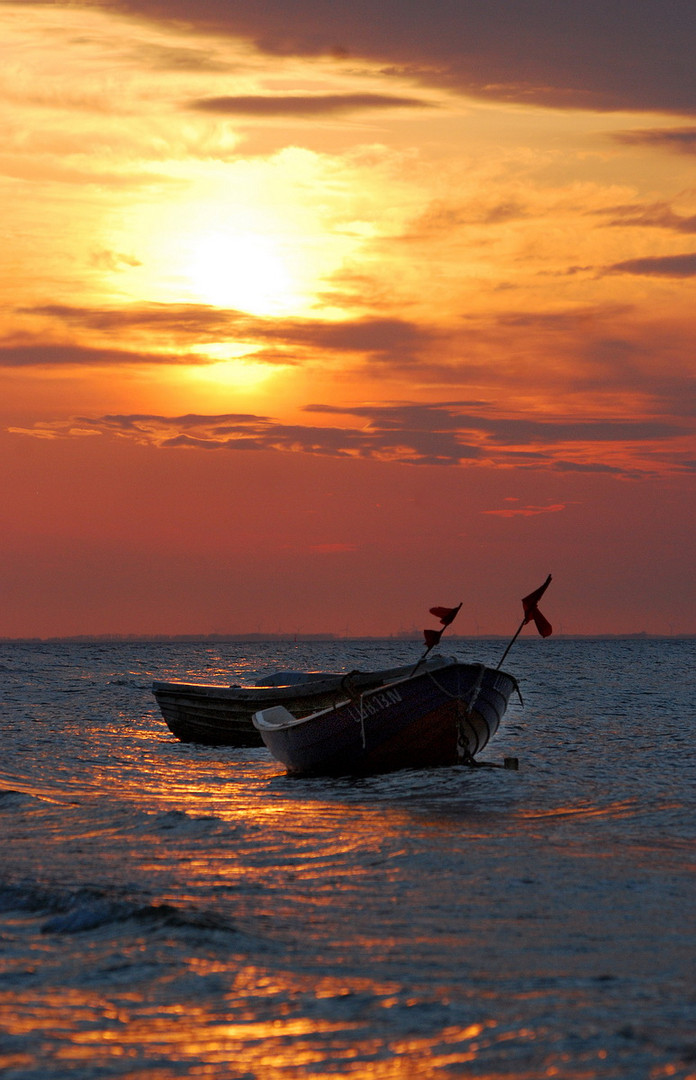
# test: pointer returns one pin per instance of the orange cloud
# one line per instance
(526, 511)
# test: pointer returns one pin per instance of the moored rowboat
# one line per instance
(427, 718)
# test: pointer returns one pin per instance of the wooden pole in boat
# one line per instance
(517, 633)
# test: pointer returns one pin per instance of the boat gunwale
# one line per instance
(313, 687)
(262, 725)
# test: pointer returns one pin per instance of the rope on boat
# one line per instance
(464, 710)
(356, 698)
(474, 692)
(362, 723)
(345, 683)
(465, 713)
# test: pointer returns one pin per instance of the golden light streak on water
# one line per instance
(274, 1049)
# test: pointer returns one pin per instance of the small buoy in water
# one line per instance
(511, 763)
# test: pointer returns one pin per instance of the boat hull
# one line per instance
(221, 716)
(215, 715)
(432, 719)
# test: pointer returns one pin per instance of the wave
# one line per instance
(93, 913)
(68, 912)
(131, 684)
(11, 799)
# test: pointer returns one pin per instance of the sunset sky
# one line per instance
(316, 314)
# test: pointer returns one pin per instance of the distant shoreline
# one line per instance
(190, 639)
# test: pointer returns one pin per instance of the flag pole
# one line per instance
(517, 633)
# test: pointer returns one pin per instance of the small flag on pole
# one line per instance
(532, 613)
(432, 637)
(446, 615)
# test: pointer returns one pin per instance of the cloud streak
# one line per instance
(444, 434)
(604, 55)
(589, 354)
(673, 266)
(653, 216)
(301, 105)
(390, 340)
(62, 355)
(681, 140)
(526, 511)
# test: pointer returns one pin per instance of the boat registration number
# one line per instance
(376, 703)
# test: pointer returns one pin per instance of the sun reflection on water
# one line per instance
(85, 1027)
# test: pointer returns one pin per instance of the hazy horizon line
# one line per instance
(318, 637)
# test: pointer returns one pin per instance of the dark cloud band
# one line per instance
(405, 433)
(601, 54)
(260, 105)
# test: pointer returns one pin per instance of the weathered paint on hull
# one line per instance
(213, 717)
(207, 720)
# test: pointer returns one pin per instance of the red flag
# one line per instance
(446, 615)
(432, 637)
(543, 625)
(531, 611)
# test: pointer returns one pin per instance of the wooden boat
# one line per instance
(427, 718)
(223, 715)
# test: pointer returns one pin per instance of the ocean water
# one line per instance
(168, 910)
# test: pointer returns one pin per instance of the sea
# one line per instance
(169, 910)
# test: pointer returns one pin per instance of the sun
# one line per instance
(253, 240)
(243, 270)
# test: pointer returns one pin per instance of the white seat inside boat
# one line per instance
(276, 716)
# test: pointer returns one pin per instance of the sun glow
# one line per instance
(250, 235)
(242, 270)
(241, 374)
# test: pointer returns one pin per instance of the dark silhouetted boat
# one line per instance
(223, 715)
(429, 717)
